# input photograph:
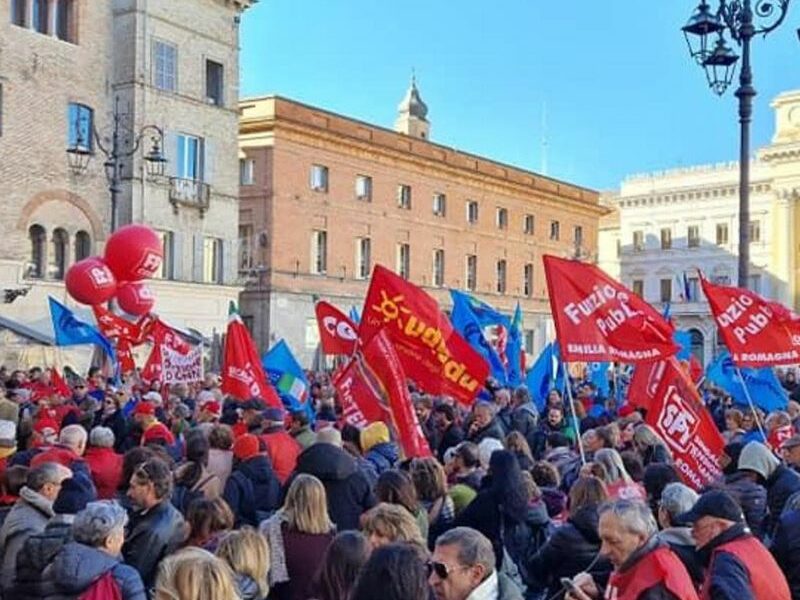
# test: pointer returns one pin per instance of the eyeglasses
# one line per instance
(442, 570)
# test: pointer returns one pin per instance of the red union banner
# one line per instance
(430, 351)
(679, 417)
(242, 374)
(337, 333)
(598, 319)
(758, 333)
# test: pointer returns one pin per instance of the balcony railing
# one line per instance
(189, 192)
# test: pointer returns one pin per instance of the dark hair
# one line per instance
(157, 472)
(197, 448)
(586, 491)
(633, 465)
(557, 440)
(656, 477)
(206, 517)
(13, 479)
(132, 459)
(220, 437)
(508, 486)
(545, 474)
(448, 411)
(393, 572)
(469, 454)
(397, 487)
(301, 417)
(344, 559)
(352, 434)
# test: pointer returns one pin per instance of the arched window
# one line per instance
(38, 238)
(83, 245)
(60, 249)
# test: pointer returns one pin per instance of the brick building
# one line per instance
(64, 67)
(325, 197)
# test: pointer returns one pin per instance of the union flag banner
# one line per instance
(644, 383)
(162, 334)
(678, 416)
(242, 374)
(337, 333)
(430, 351)
(598, 319)
(114, 326)
(758, 332)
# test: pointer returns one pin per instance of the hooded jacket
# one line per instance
(347, 487)
(37, 553)
(252, 491)
(383, 456)
(752, 497)
(27, 517)
(786, 549)
(781, 481)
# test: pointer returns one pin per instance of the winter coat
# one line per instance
(450, 437)
(27, 517)
(117, 423)
(305, 437)
(570, 549)
(681, 542)
(786, 549)
(568, 464)
(303, 554)
(348, 489)
(507, 589)
(106, 468)
(37, 553)
(780, 486)
(253, 491)
(150, 537)
(283, 451)
(493, 430)
(77, 566)
(383, 456)
(752, 497)
(656, 454)
(544, 430)
(525, 419)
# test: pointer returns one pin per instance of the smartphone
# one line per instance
(569, 585)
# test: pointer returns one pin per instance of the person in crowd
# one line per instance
(393, 572)
(750, 495)
(377, 448)
(592, 442)
(733, 426)
(484, 423)
(300, 429)
(423, 408)
(347, 488)
(220, 453)
(656, 477)
(465, 468)
(501, 398)
(558, 452)
(113, 417)
(518, 445)
(389, 523)
(282, 448)
(193, 478)
(12, 480)
(738, 566)
(90, 564)
(207, 522)
(104, 463)
(397, 487)
(633, 464)
(649, 446)
(68, 451)
(524, 417)
(252, 491)
(345, 557)
(8, 441)
(195, 574)
(677, 499)
(448, 432)
(156, 528)
(786, 548)
(548, 480)
(246, 552)
(431, 485)
(790, 451)
(298, 535)
(619, 483)
(30, 514)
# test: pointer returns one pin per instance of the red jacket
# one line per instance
(283, 451)
(659, 566)
(766, 578)
(106, 468)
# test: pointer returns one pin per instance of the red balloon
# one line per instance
(90, 281)
(135, 298)
(134, 252)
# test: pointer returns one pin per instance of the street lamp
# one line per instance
(742, 20)
(122, 144)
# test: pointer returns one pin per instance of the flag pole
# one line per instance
(575, 423)
(750, 402)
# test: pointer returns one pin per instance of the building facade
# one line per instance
(70, 70)
(325, 197)
(678, 222)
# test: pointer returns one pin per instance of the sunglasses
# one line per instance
(442, 570)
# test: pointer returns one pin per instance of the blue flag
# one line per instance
(354, 316)
(684, 339)
(598, 375)
(514, 349)
(71, 331)
(547, 373)
(467, 323)
(765, 390)
(288, 378)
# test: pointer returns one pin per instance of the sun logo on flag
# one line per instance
(391, 308)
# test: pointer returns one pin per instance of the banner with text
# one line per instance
(181, 368)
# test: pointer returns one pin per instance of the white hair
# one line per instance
(101, 437)
(635, 516)
(73, 436)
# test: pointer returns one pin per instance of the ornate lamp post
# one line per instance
(742, 20)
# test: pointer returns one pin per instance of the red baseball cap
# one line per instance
(156, 432)
(213, 407)
(144, 408)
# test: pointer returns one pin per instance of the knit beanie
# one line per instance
(374, 434)
(74, 495)
(246, 446)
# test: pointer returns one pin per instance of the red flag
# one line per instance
(359, 393)
(644, 383)
(114, 326)
(125, 356)
(758, 332)
(242, 374)
(337, 332)
(430, 351)
(162, 334)
(58, 384)
(679, 417)
(598, 319)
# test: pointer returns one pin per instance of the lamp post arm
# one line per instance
(764, 16)
(141, 135)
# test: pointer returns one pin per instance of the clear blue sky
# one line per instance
(621, 93)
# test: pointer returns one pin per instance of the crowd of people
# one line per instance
(138, 491)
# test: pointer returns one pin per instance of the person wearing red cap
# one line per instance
(158, 433)
(252, 490)
(210, 412)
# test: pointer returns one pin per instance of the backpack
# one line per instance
(105, 588)
(182, 496)
(251, 515)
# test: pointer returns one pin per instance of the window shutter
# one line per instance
(171, 152)
(197, 263)
(177, 255)
(208, 161)
(230, 252)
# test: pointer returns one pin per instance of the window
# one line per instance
(364, 188)
(215, 90)
(666, 238)
(754, 283)
(363, 259)
(502, 218)
(722, 234)
(439, 205)
(189, 158)
(19, 8)
(754, 231)
(40, 15)
(65, 14)
(577, 235)
(471, 275)
(721, 279)
(80, 127)
(694, 289)
(638, 287)
(555, 230)
(527, 281)
(60, 249)
(165, 66)
(666, 290)
(404, 196)
(438, 267)
(167, 270)
(530, 336)
(38, 238)
(638, 241)
(501, 276)
(245, 247)
(530, 225)
(404, 260)
(319, 252)
(212, 260)
(319, 178)
(247, 167)
(693, 236)
(83, 245)
(472, 212)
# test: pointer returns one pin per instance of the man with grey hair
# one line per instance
(484, 423)
(676, 499)
(463, 568)
(644, 568)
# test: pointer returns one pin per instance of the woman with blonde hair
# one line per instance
(298, 536)
(194, 574)
(430, 482)
(650, 446)
(247, 554)
(619, 483)
(390, 523)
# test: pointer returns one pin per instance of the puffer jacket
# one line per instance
(28, 516)
(786, 549)
(780, 486)
(253, 491)
(77, 566)
(752, 497)
(383, 456)
(37, 553)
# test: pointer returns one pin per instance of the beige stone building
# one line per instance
(67, 68)
(325, 197)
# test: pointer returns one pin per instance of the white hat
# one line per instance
(154, 398)
(8, 434)
(204, 397)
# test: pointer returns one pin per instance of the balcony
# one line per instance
(189, 192)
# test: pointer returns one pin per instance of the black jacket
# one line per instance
(252, 491)
(493, 430)
(752, 497)
(780, 486)
(450, 437)
(786, 549)
(37, 553)
(348, 489)
(729, 578)
(525, 419)
(151, 536)
(656, 454)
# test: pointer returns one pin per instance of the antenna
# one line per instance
(544, 138)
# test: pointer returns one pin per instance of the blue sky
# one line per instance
(620, 91)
